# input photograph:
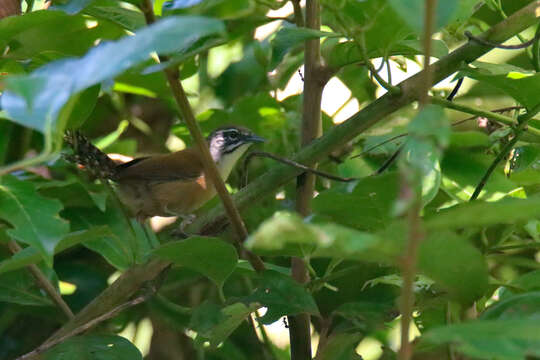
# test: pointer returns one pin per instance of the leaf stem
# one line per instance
(43, 282)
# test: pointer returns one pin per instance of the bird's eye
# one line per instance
(233, 135)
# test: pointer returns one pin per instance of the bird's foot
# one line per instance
(180, 231)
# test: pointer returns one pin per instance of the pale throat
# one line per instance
(227, 161)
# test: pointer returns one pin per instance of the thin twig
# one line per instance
(282, 160)
(209, 166)
(44, 283)
(481, 41)
(455, 90)
(298, 16)
(522, 125)
(46, 346)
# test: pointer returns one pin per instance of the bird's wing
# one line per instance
(181, 165)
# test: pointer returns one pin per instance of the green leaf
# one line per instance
(216, 325)
(515, 307)
(223, 9)
(212, 257)
(338, 54)
(282, 296)
(114, 247)
(491, 339)
(429, 132)
(50, 31)
(286, 234)
(341, 346)
(367, 207)
(35, 219)
(30, 255)
(19, 287)
(289, 37)
(94, 347)
(468, 139)
(34, 100)
(520, 84)
(506, 211)
(413, 12)
(448, 259)
(462, 170)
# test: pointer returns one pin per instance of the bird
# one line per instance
(172, 184)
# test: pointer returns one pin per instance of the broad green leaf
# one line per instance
(413, 12)
(35, 99)
(491, 339)
(49, 31)
(212, 257)
(109, 10)
(282, 296)
(289, 37)
(115, 247)
(468, 139)
(30, 255)
(19, 287)
(366, 315)
(286, 234)
(338, 54)
(522, 157)
(94, 347)
(83, 107)
(224, 9)
(215, 324)
(35, 219)
(448, 259)
(381, 26)
(529, 281)
(462, 171)
(341, 346)
(515, 307)
(477, 213)
(367, 207)
(522, 85)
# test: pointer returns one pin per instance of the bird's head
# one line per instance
(227, 144)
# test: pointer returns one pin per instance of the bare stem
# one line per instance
(46, 346)
(522, 120)
(210, 168)
(299, 325)
(409, 192)
(44, 283)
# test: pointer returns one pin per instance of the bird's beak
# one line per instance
(254, 138)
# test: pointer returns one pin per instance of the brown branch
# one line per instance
(9, 8)
(289, 162)
(412, 196)
(314, 82)
(46, 346)
(523, 45)
(298, 15)
(44, 283)
(210, 168)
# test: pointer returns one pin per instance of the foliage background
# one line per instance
(77, 64)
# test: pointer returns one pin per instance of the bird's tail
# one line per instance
(95, 161)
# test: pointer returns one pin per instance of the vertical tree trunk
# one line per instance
(10, 7)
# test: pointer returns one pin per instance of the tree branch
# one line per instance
(299, 325)
(44, 283)
(210, 168)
